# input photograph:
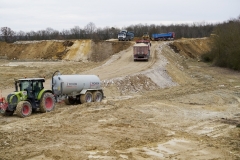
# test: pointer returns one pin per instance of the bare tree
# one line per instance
(90, 28)
(76, 32)
(65, 34)
(20, 35)
(8, 34)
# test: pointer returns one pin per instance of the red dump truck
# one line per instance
(141, 50)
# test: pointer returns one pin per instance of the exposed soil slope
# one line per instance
(191, 48)
(75, 50)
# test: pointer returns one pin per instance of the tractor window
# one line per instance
(37, 86)
(24, 85)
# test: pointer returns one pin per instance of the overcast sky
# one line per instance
(34, 15)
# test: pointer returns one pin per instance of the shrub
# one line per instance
(225, 51)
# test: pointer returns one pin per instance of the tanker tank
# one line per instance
(75, 89)
(68, 84)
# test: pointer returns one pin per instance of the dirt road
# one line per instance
(172, 107)
(122, 64)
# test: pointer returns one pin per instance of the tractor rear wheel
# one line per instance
(24, 109)
(97, 96)
(47, 103)
(86, 98)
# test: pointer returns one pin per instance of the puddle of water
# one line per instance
(173, 146)
(153, 153)
(165, 149)
(123, 156)
(106, 120)
(94, 155)
(206, 130)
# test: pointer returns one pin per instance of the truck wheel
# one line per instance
(70, 101)
(97, 96)
(47, 103)
(8, 113)
(86, 98)
(24, 109)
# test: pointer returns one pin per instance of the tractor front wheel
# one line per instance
(47, 103)
(24, 109)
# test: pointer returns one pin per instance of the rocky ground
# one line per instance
(172, 107)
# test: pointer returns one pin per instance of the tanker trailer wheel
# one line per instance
(70, 101)
(47, 103)
(86, 98)
(24, 109)
(97, 96)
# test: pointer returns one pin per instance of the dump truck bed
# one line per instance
(141, 51)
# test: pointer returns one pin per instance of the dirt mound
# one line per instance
(191, 48)
(131, 84)
(33, 50)
(103, 50)
(75, 50)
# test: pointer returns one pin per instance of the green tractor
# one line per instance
(29, 96)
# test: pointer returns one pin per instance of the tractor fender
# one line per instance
(12, 101)
(21, 96)
(41, 93)
(18, 96)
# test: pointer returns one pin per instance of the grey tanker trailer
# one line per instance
(77, 88)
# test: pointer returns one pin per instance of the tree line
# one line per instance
(90, 31)
(225, 39)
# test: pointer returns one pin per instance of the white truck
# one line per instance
(125, 35)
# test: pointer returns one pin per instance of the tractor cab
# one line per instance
(32, 85)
